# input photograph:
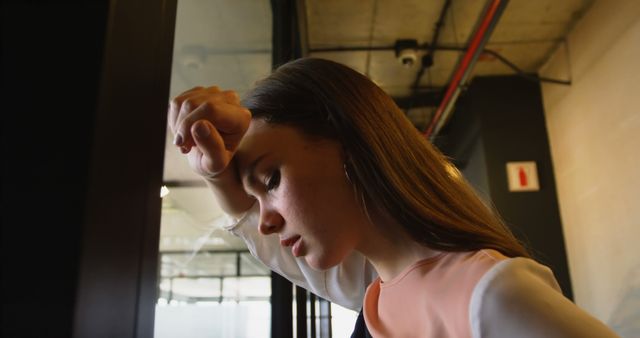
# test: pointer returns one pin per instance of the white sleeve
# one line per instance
(520, 298)
(344, 284)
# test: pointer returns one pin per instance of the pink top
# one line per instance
(429, 298)
(515, 297)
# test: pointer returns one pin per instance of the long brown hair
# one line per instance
(389, 161)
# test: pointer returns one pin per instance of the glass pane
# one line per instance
(241, 289)
(200, 264)
(209, 285)
(227, 319)
(250, 266)
(189, 290)
(343, 321)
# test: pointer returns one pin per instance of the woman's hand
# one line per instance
(208, 125)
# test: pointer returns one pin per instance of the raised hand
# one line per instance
(208, 125)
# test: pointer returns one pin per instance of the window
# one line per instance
(209, 284)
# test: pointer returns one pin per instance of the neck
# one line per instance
(390, 249)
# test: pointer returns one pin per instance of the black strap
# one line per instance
(360, 330)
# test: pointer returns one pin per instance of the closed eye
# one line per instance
(273, 181)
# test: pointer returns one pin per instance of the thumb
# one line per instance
(215, 157)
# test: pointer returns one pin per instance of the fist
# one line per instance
(208, 125)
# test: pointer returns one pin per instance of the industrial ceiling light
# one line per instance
(407, 51)
(164, 191)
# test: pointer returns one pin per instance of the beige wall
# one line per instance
(594, 131)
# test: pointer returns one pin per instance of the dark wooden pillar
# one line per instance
(281, 307)
(499, 120)
(85, 88)
(285, 47)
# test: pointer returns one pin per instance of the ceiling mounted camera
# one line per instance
(407, 51)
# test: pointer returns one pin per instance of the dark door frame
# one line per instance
(116, 289)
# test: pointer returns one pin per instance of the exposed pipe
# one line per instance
(474, 49)
(497, 55)
(427, 60)
(439, 24)
(509, 64)
(523, 74)
(480, 37)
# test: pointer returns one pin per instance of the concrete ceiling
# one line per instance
(228, 43)
(528, 31)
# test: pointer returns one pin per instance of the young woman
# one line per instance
(321, 160)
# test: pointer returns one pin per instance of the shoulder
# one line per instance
(464, 269)
(520, 297)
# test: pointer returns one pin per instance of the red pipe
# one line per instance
(464, 64)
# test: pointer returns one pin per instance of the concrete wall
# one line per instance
(594, 133)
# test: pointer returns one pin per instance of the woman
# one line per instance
(338, 173)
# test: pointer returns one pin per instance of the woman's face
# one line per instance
(304, 195)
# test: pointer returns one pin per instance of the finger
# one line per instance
(194, 108)
(231, 97)
(230, 118)
(231, 121)
(214, 157)
(213, 89)
(176, 103)
(185, 107)
(174, 108)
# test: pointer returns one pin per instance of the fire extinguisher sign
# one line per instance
(522, 176)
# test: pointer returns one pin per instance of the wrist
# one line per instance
(228, 173)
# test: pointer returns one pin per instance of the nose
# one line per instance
(270, 222)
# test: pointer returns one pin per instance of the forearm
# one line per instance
(229, 192)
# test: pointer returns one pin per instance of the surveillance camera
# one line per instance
(407, 52)
(407, 57)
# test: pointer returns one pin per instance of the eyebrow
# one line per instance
(248, 173)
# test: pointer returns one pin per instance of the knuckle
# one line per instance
(246, 115)
(210, 105)
(231, 94)
(175, 102)
(213, 103)
(188, 105)
(216, 98)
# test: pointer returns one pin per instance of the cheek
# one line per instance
(324, 206)
(315, 193)
(326, 214)
(298, 200)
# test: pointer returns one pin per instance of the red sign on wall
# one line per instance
(522, 176)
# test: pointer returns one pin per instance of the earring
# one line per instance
(346, 173)
(364, 207)
(357, 193)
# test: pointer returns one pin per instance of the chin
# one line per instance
(321, 263)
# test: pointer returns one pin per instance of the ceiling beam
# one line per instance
(185, 184)
(486, 23)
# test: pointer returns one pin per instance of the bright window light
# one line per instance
(164, 191)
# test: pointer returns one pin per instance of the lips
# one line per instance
(289, 241)
(295, 242)
(296, 250)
